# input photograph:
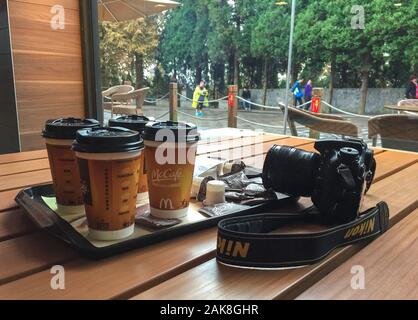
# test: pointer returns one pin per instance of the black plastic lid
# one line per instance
(107, 140)
(66, 128)
(132, 122)
(183, 132)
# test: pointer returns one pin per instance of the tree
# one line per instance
(317, 34)
(387, 32)
(127, 49)
(113, 59)
(141, 39)
(397, 26)
(219, 41)
(183, 44)
(270, 38)
(239, 41)
(361, 38)
(242, 13)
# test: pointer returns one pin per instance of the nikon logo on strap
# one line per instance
(233, 248)
(254, 242)
(361, 230)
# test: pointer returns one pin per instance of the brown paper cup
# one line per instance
(110, 184)
(65, 176)
(59, 135)
(109, 161)
(169, 184)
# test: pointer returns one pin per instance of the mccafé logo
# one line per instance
(361, 230)
(233, 248)
(159, 175)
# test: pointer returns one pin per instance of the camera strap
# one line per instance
(248, 242)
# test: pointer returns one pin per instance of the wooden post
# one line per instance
(232, 106)
(173, 102)
(317, 94)
(314, 134)
(293, 130)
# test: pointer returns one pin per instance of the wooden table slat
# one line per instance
(8, 169)
(213, 135)
(22, 156)
(241, 142)
(250, 151)
(389, 163)
(14, 223)
(25, 179)
(43, 252)
(411, 107)
(390, 268)
(7, 199)
(117, 276)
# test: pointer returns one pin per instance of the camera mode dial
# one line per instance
(348, 155)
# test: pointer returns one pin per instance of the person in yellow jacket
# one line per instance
(200, 98)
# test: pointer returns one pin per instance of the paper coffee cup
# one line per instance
(136, 123)
(109, 163)
(59, 135)
(170, 153)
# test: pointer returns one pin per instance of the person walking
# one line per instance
(246, 94)
(297, 92)
(412, 88)
(308, 95)
(200, 98)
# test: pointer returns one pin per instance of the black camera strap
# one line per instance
(247, 241)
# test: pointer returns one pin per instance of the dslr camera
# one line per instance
(336, 179)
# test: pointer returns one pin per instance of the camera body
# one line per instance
(345, 173)
(336, 179)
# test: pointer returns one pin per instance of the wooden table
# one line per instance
(185, 268)
(411, 107)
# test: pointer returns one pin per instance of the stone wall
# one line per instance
(345, 99)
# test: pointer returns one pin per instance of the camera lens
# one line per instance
(290, 170)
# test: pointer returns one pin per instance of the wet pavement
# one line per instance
(217, 118)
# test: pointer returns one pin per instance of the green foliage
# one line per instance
(387, 42)
(183, 43)
(202, 38)
(270, 33)
(219, 37)
(120, 42)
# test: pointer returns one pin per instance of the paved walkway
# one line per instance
(266, 118)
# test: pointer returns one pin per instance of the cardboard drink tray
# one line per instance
(73, 229)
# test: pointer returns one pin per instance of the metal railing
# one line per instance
(209, 101)
(233, 116)
(345, 112)
(153, 101)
